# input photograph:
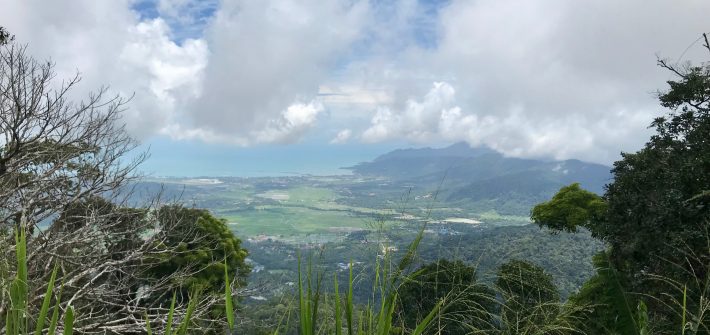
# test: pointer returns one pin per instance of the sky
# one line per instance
(265, 87)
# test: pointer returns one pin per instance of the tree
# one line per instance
(213, 247)
(656, 214)
(659, 199)
(119, 264)
(569, 208)
(5, 36)
(530, 298)
(54, 151)
(468, 304)
(65, 177)
(608, 308)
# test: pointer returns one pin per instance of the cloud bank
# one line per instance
(549, 78)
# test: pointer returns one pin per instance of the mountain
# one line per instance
(403, 164)
(485, 176)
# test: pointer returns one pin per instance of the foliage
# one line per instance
(467, 303)
(661, 191)
(18, 318)
(5, 36)
(657, 209)
(570, 208)
(377, 317)
(567, 257)
(609, 309)
(213, 250)
(658, 203)
(527, 291)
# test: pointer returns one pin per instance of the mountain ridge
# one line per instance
(482, 174)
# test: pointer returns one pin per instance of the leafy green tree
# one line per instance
(569, 208)
(658, 204)
(468, 304)
(655, 214)
(202, 243)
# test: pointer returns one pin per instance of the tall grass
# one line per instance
(376, 318)
(18, 320)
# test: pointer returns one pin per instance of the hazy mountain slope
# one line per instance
(481, 174)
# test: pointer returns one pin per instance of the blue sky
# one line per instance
(245, 87)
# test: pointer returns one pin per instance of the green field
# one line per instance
(295, 208)
(300, 210)
(290, 221)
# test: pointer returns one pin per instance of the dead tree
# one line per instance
(54, 151)
(64, 166)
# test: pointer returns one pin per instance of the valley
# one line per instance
(472, 204)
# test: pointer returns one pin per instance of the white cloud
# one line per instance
(438, 116)
(343, 136)
(109, 45)
(530, 78)
(288, 127)
(418, 121)
(263, 56)
(242, 83)
(291, 124)
(546, 78)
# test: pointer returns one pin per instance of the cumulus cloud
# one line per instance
(291, 124)
(288, 127)
(437, 116)
(343, 136)
(539, 78)
(253, 77)
(549, 78)
(109, 45)
(418, 121)
(264, 55)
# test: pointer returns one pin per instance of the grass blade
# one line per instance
(427, 320)
(315, 298)
(338, 321)
(171, 312)
(147, 324)
(685, 301)
(228, 305)
(643, 319)
(69, 321)
(349, 302)
(185, 324)
(55, 314)
(45, 303)
(16, 320)
(302, 303)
